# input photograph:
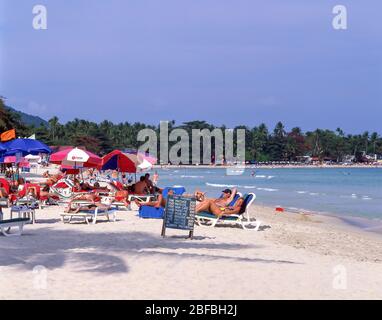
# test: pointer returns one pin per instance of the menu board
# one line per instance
(179, 213)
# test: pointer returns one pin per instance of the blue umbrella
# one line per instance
(25, 147)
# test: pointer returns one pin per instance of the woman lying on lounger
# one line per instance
(92, 198)
(90, 206)
(221, 203)
(237, 208)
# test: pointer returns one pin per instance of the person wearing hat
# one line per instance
(219, 204)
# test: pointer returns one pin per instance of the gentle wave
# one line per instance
(185, 176)
(263, 177)
(217, 185)
(268, 189)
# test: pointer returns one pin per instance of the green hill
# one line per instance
(29, 119)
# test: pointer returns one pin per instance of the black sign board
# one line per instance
(179, 214)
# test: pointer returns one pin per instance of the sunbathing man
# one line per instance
(150, 185)
(222, 202)
(140, 188)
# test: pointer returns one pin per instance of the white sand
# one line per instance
(298, 257)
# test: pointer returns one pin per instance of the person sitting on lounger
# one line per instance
(222, 202)
(160, 202)
(150, 185)
(140, 188)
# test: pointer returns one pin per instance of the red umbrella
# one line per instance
(76, 157)
(117, 160)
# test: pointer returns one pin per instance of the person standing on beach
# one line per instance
(155, 178)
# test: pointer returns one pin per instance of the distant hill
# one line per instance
(29, 119)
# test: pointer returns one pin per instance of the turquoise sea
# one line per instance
(345, 192)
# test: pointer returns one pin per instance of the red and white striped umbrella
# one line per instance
(76, 157)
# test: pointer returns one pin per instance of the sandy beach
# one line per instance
(293, 256)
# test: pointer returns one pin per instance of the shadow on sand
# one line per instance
(97, 251)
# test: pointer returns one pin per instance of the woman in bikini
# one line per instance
(221, 203)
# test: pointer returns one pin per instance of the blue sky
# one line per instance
(225, 61)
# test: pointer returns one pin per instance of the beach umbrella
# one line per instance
(25, 147)
(76, 158)
(118, 160)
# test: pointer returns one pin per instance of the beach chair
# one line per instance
(242, 219)
(90, 216)
(6, 225)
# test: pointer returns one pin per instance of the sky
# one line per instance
(227, 62)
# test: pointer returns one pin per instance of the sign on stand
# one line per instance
(179, 214)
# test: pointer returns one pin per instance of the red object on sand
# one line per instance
(279, 209)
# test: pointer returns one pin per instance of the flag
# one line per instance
(8, 135)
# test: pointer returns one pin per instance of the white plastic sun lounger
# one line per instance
(89, 216)
(209, 219)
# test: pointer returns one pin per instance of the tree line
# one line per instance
(262, 144)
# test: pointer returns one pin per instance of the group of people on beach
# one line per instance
(92, 194)
(224, 205)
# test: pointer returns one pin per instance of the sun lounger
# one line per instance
(89, 216)
(241, 219)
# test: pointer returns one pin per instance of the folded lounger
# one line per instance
(89, 216)
(242, 219)
(6, 225)
(158, 213)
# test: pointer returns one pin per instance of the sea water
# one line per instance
(347, 192)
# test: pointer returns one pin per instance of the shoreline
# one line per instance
(362, 223)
